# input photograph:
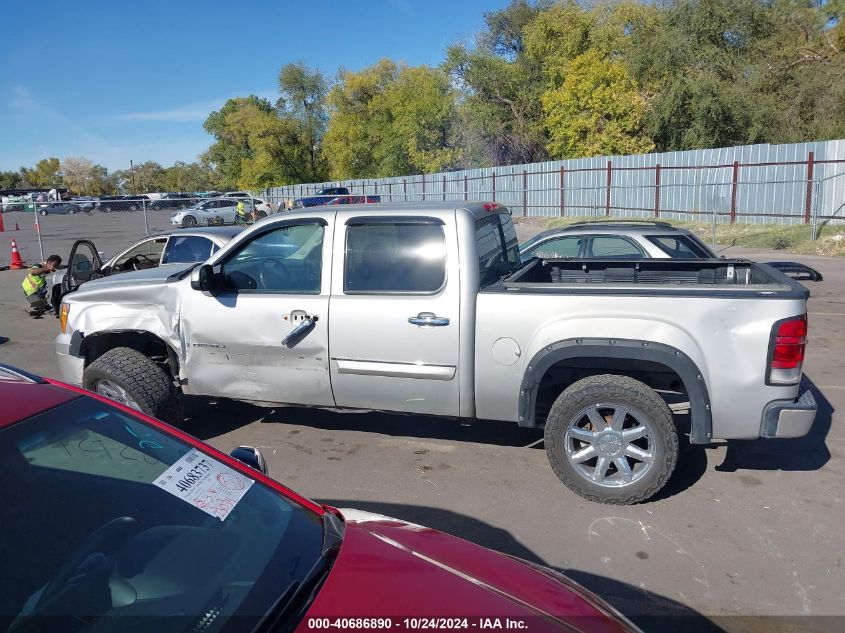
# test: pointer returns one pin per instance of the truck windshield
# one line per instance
(498, 248)
(124, 536)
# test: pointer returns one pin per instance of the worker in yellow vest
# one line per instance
(35, 284)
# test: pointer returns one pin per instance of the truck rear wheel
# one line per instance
(611, 439)
(129, 377)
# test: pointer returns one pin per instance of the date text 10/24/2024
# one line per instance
(421, 623)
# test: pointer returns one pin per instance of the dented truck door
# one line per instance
(262, 333)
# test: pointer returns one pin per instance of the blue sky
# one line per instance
(114, 81)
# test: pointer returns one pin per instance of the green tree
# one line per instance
(45, 174)
(302, 106)
(10, 179)
(390, 119)
(231, 146)
(499, 117)
(597, 110)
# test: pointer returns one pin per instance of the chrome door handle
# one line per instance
(428, 319)
(299, 331)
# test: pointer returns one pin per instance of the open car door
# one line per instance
(84, 264)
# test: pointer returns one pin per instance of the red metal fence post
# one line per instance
(390, 192)
(524, 193)
(444, 186)
(734, 185)
(494, 186)
(405, 189)
(657, 190)
(562, 198)
(609, 182)
(808, 202)
(465, 188)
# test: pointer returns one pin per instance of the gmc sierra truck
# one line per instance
(425, 308)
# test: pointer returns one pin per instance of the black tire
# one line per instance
(144, 381)
(189, 222)
(105, 209)
(42, 212)
(605, 394)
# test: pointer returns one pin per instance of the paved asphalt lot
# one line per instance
(750, 529)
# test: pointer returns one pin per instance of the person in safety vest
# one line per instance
(240, 210)
(35, 284)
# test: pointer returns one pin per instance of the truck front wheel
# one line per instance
(611, 439)
(129, 377)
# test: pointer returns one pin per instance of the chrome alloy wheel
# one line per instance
(610, 445)
(117, 393)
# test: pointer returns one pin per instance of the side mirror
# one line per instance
(250, 456)
(202, 278)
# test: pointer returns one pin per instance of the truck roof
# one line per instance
(478, 208)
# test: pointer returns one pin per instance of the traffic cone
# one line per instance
(17, 263)
(1, 222)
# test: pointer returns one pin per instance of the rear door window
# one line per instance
(187, 248)
(613, 247)
(401, 257)
(679, 246)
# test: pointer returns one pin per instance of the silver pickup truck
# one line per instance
(424, 308)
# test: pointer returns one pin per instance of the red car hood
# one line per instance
(389, 568)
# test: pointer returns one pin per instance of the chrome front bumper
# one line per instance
(70, 366)
(785, 418)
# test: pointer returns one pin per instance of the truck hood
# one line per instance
(390, 568)
(146, 277)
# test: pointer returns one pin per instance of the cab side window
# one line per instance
(394, 257)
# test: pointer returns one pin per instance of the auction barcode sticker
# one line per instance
(205, 483)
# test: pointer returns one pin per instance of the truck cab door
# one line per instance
(84, 264)
(262, 333)
(394, 327)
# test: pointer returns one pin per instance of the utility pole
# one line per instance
(132, 169)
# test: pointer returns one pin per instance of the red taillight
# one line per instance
(491, 206)
(789, 343)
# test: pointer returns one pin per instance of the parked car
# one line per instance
(262, 205)
(170, 201)
(61, 208)
(180, 247)
(619, 240)
(139, 523)
(86, 203)
(323, 196)
(425, 308)
(630, 239)
(206, 213)
(214, 212)
(107, 204)
(354, 200)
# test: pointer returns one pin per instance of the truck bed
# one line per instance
(709, 277)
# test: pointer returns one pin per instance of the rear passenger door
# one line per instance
(394, 326)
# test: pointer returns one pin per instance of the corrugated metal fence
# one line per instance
(784, 184)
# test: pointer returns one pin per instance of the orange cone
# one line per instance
(17, 263)
(1, 222)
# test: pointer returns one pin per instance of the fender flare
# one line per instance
(701, 431)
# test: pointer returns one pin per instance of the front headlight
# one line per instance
(65, 310)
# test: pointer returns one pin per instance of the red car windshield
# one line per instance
(111, 524)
